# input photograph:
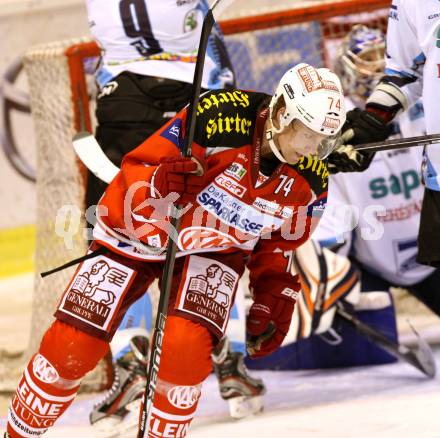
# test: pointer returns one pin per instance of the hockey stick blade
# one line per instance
(424, 354)
(399, 143)
(90, 153)
(420, 357)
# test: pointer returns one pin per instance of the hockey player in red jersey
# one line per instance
(260, 187)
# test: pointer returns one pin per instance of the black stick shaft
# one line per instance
(399, 143)
(167, 275)
(398, 350)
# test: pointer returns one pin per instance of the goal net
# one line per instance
(263, 43)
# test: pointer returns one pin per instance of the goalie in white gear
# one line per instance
(371, 220)
(373, 217)
(386, 198)
(411, 73)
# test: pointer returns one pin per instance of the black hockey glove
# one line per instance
(360, 127)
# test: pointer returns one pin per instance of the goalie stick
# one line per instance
(420, 357)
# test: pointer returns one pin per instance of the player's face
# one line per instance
(298, 140)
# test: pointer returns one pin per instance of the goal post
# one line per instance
(262, 47)
(309, 11)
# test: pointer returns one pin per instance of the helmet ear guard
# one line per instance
(312, 96)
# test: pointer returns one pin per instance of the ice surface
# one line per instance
(386, 401)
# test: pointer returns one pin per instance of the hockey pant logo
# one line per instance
(96, 291)
(207, 291)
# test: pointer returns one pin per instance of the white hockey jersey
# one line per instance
(413, 52)
(156, 38)
(376, 213)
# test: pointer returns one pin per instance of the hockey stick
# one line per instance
(399, 143)
(420, 357)
(167, 275)
(90, 153)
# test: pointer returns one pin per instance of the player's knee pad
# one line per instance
(71, 351)
(184, 365)
(186, 354)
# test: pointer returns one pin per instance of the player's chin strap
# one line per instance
(269, 137)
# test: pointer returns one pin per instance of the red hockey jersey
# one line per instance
(239, 209)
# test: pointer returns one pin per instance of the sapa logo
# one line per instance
(43, 370)
(183, 397)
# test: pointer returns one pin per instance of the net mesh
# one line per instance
(260, 57)
(59, 180)
(60, 192)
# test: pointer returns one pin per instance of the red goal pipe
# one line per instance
(300, 15)
(80, 98)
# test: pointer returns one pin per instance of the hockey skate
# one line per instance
(242, 391)
(118, 412)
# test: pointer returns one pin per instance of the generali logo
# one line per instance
(183, 397)
(43, 369)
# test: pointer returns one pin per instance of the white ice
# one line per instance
(388, 401)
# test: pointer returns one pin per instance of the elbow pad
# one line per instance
(387, 99)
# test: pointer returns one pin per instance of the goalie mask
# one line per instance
(361, 61)
(313, 97)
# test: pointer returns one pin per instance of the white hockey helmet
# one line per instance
(361, 61)
(315, 98)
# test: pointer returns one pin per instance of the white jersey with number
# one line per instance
(375, 214)
(156, 38)
(413, 52)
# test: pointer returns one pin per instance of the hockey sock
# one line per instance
(41, 397)
(51, 379)
(184, 365)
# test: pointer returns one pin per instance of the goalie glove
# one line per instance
(269, 320)
(362, 126)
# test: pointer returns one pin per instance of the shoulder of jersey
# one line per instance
(227, 118)
(315, 172)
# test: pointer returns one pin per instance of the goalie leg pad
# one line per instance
(326, 278)
(51, 379)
